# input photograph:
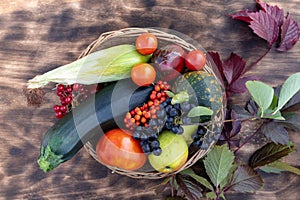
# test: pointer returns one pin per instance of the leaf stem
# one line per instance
(242, 120)
(172, 185)
(247, 140)
(257, 61)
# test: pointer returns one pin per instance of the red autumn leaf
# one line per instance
(274, 11)
(265, 26)
(233, 68)
(290, 32)
(218, 62)
(242, 15)
(239, 86)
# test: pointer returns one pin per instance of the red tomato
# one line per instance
(143, 74)
(118, 148)
(146, 43)
(195, 60)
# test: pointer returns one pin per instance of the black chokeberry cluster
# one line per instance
(200, 141)
(148, 136)
(173, 116)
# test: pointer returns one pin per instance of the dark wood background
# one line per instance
(36, 36)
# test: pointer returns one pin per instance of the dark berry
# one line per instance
(143, 137)
(154, 144)
(146, 148)
(168, 100)
(185, 107)
(198, 143)
(201, 130)
(180, 130)
(195, 137)
(136, 135)
(186, 120)
(175, 129)
(154, 136)
(169, 108)
(168, 125)
(139, 128)
(176, 106)
(160, 114)
(160, 122)
(170, 119)
(173, 112)
(157, 151)
(152, 123)
(204, 145)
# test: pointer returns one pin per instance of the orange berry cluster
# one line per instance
(140, 116)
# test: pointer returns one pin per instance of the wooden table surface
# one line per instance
(36, 36)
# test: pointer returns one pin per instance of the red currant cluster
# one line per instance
(65, 95)
(69, 93)
(140, 116)
(82, 92)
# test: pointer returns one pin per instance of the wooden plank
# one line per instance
(37, 36)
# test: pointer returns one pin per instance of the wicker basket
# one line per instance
(128, 36)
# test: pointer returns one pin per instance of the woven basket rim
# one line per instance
(161, 35)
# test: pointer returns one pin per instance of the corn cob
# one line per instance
(105, 65)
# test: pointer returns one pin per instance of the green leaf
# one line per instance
(274, 102)
(218, 163)
(222, 196)
(245, 179)
(261, 93)
(269, 169)
(279, 167)
(211, 195)
(289, 88)
(199, 179)
(276, 115)
(227, 180)
(199, 111)
(275, 132)
(272, 107)
(269, 153)
(180, 97)
(169, 93)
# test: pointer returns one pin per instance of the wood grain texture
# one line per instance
(36, 36)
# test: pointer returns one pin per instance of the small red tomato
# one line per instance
(195, 60)
(143, 74)
(146, 43)
(117, 148)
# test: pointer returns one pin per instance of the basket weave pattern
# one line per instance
(217, 119)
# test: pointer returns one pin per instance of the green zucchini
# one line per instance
(89, 120)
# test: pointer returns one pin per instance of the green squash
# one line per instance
(202, 87)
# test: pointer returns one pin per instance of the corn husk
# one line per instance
(111, 64)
